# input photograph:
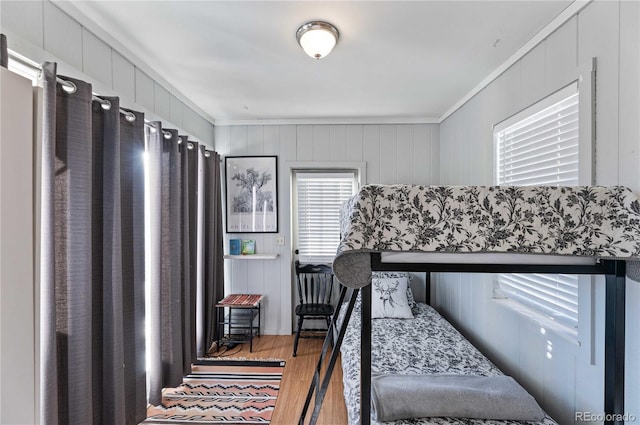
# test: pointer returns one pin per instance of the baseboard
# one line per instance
(276, 331)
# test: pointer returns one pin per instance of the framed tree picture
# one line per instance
(251, 184)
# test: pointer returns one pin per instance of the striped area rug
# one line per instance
(222, 392)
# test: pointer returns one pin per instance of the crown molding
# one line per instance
(568, 13)
(336, 120)
(94, 27)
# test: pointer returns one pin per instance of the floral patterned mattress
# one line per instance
(585, 221)
(425, 344)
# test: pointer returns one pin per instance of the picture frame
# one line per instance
(251, 194)
(235, 246)
(248, 247)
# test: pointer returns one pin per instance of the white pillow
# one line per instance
(389, 298)
(407, 275)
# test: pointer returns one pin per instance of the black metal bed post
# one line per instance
(365, 357)
(614, 333)
(614, 344)
(319, 384)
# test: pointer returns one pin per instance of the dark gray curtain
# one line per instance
(49, 412)
(213, 267)
(133, 265)
(165, 261)
(4, 53)
(92, 248)
(189, 169)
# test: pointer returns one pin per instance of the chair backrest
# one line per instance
(315, 283)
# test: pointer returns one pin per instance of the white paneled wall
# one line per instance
(42, 31)
(407, 153)
(565, 377)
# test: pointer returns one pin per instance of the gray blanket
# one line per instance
(396, 397)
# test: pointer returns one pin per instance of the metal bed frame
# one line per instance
(614, 333)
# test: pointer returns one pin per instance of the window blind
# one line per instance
(319, 198)
(540, 147)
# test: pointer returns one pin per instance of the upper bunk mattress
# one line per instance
(595, 222)
(482, 258)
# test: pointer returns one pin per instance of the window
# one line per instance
(319, 196)
(539, 146)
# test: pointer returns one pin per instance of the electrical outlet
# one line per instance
(280, 240)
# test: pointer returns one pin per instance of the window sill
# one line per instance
(545, 323)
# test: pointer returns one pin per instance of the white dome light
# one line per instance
(317, 38)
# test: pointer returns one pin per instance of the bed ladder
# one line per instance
(320, 383)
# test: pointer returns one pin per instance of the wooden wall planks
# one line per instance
(42, 31)
(392, 153)
(560, 373)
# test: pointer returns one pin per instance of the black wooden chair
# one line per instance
(315, 287)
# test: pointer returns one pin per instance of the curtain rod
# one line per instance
(70, 87)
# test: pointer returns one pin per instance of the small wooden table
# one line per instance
(243, 309)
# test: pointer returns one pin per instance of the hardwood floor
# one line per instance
(296, 378)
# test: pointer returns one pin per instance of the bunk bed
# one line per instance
(489, 229)
(425, 344)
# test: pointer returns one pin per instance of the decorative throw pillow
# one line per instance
(406, 275)
(389, 298)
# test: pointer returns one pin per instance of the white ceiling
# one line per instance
(239, 60)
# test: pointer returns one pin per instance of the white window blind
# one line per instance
(539, 146)
(541, 149)
(319, 197)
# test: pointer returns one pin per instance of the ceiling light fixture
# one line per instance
(317, 38)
